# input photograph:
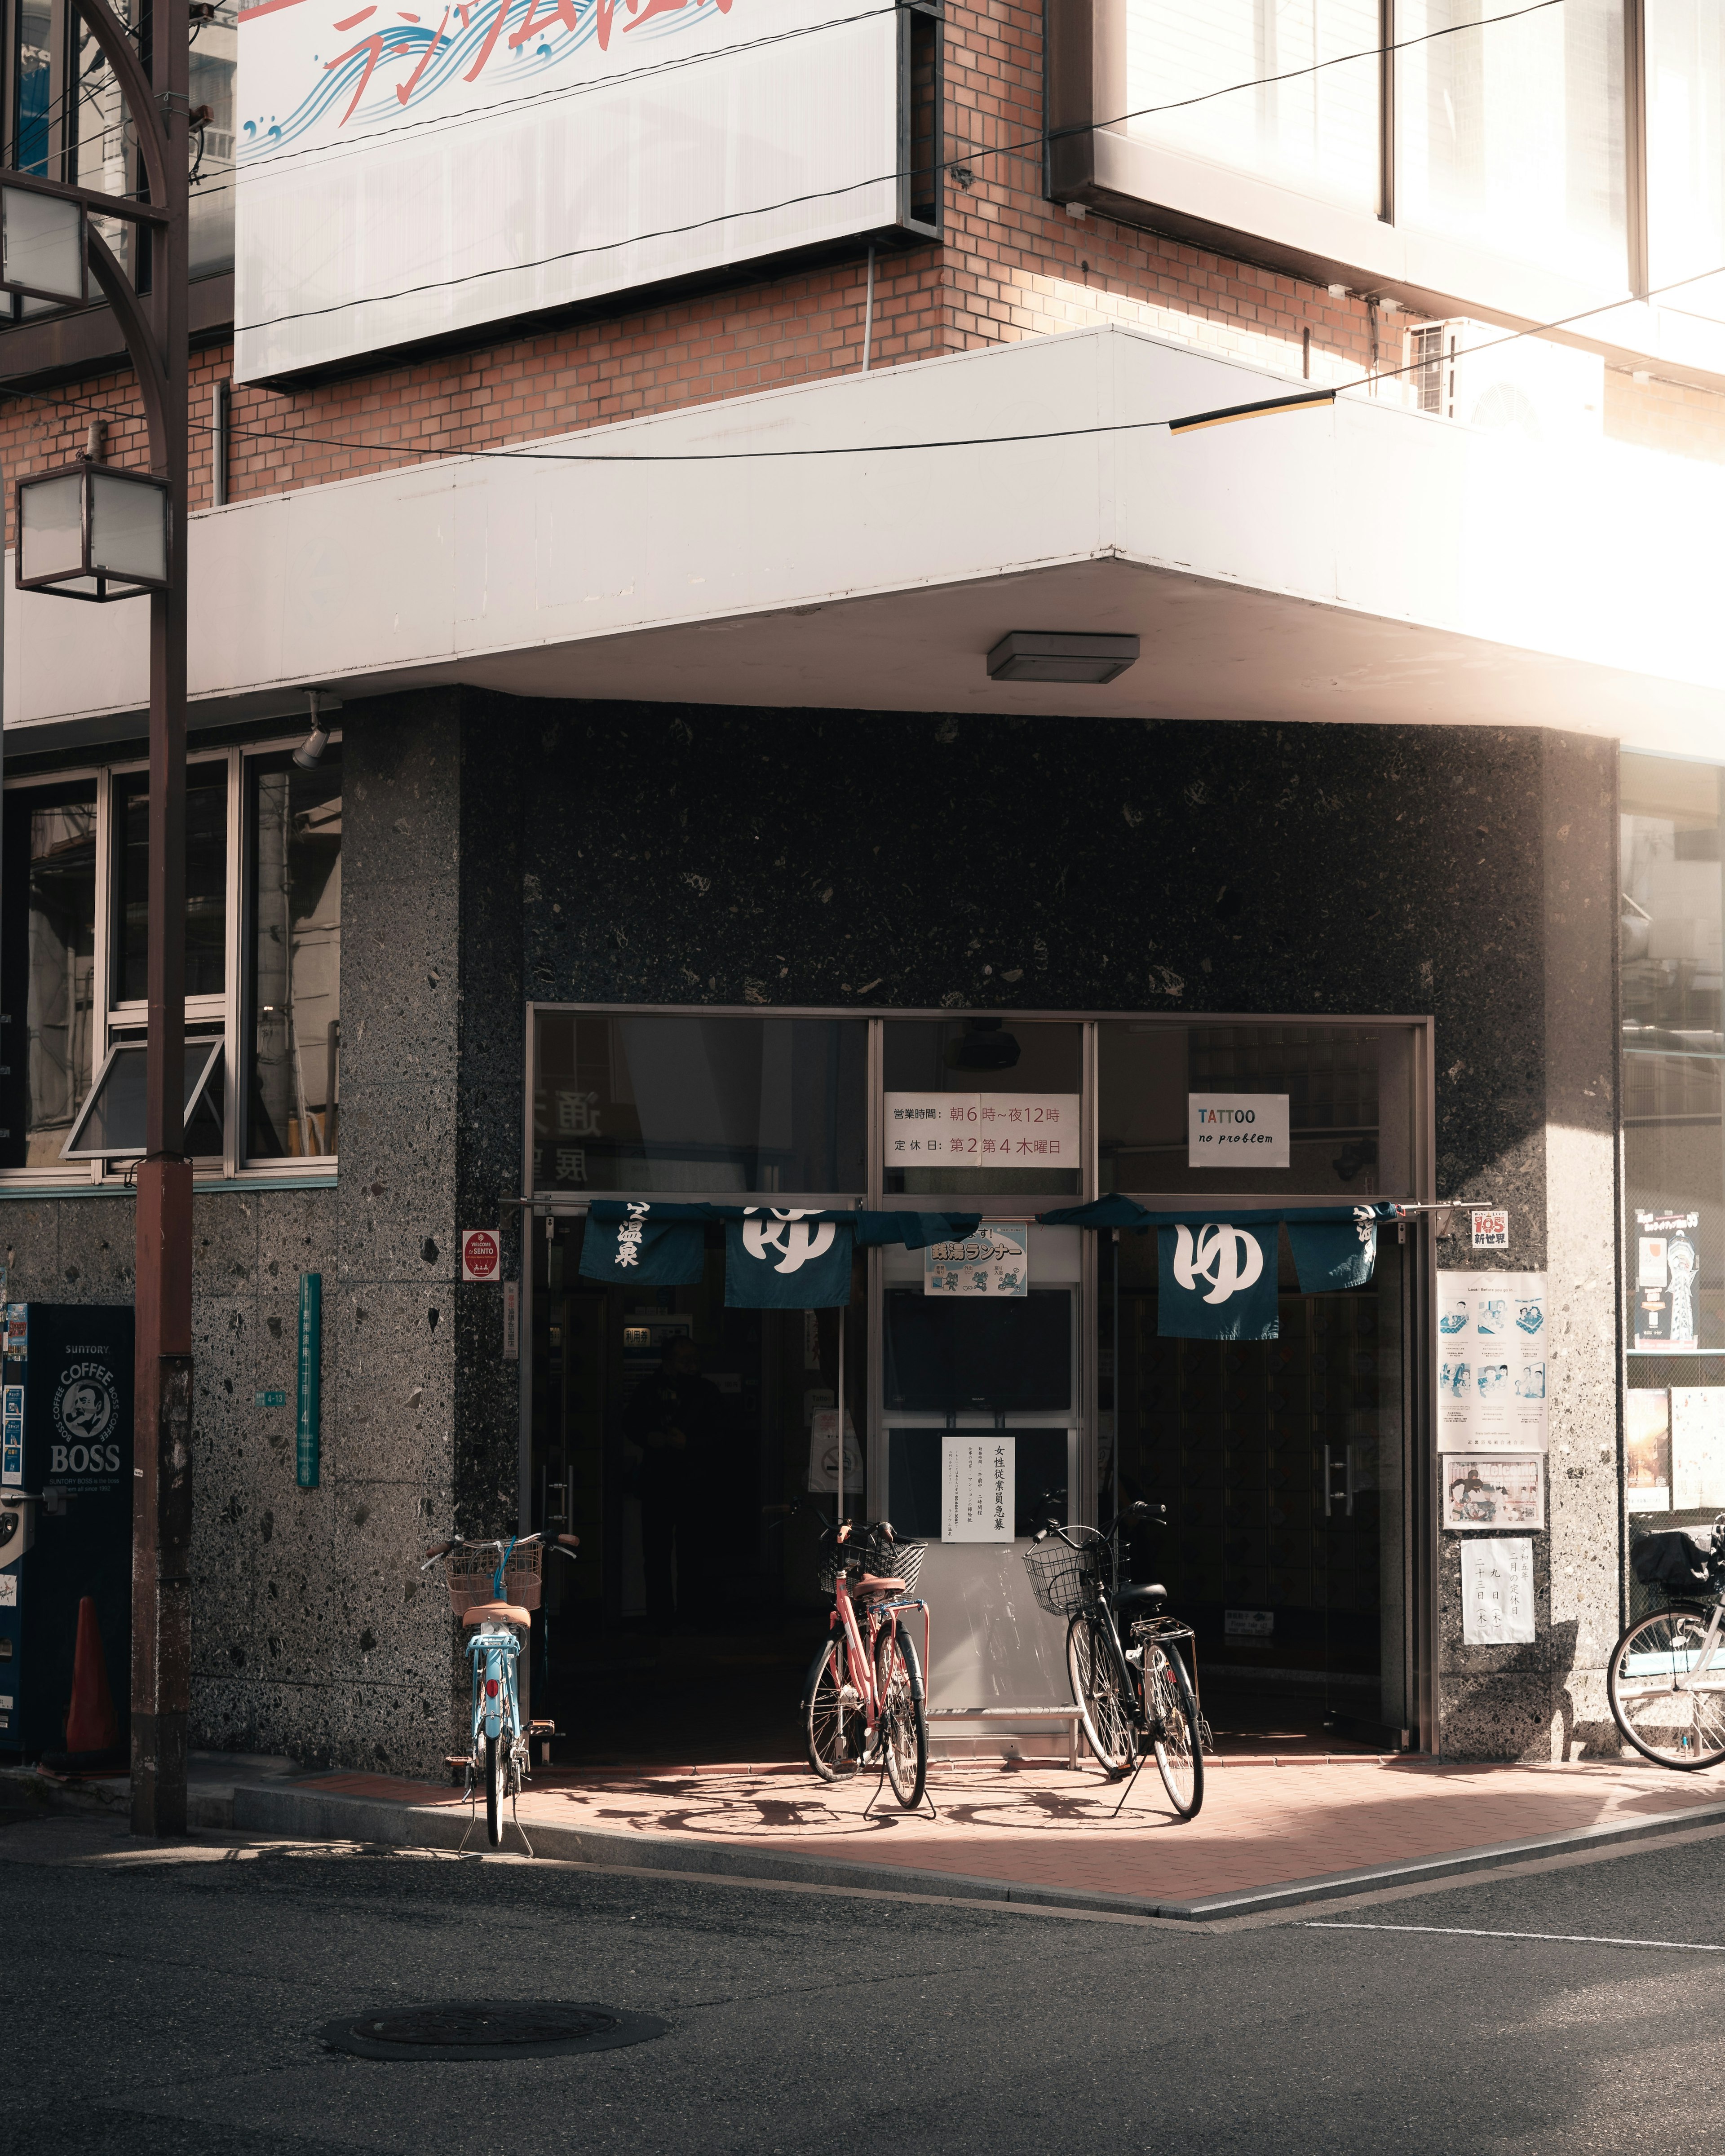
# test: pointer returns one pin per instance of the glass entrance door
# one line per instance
(1279, 1462)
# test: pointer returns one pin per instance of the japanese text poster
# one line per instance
(981, 1129)
(1492, 1372)
(978, 1478)
(1667, 1264)
(1497, 1592)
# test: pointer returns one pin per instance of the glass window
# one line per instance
(694, 1103)
(113, 1122)
(1316, 132)
(1348, 1089)
(48, 960)
(981, 1107)
(205, 882)
(1674, 1175)
(101, 142)
(1685, 147)
(1509, 133)
(30, 122)
(295, 987)
(213, 53)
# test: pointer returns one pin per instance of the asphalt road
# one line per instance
(157, 2004)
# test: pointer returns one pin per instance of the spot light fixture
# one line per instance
(310, 750)
(1047, 655)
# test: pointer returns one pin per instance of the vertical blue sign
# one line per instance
(306, 1449)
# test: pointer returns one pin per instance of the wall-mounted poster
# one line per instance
(983, 1130)
(978, 1480)
(1497, 1592)
(1496, 1490)
(1492, 1375)
(1667, 1264)
(1647, 1446)
(991, 1262)
(1698, 1447)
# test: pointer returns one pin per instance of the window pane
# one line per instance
(1674, 1173)
(35, 31)
(295, 985)
(206, 883)
(114, 1125)
(212, 195)
(1686, 149)
(693, 1104)
(1315, 131)
(1509, 133)
(49, 967)
(1349, 1106)
(101, 138)
(1016, 1087)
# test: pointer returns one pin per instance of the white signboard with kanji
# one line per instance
(981, 1129)
(1497, 1592)
(978, 1475)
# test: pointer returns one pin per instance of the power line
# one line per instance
(1306, 397)
(969, 158)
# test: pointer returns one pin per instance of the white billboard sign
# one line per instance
(403, 176)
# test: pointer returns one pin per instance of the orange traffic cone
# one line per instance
(93, 1745)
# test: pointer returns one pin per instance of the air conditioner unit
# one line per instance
(1467, 371)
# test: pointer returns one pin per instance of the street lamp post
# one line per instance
(152, 77)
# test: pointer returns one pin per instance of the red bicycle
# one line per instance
(863, 1703)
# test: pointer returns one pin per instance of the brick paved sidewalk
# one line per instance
(1052, 1826)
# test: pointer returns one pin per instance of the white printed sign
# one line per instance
(978, 1478)
(1237, 1130)
(991, 1262)
(1497, 1592)
(981, 1129)
(1698, 1440)
(1491, 1230)
(824, 1452)
(8, 1590)
(1491, 1373)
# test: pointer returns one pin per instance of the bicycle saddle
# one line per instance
(869, 1584)
(496, 1613)
(1137, 1600)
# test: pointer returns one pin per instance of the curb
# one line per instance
(307, 1814)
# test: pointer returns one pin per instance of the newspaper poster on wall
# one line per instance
(991, 1262)
(978, 1488)
(1497, 1592)
(1667, 1262)
(1491, 1369)
(1697, 1420)
(1494, 1490)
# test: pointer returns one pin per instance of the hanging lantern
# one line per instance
(91, 531)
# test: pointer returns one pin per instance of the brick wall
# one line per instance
(1013, 265)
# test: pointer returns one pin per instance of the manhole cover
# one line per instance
(489, 2029)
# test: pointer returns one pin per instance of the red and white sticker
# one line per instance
(1491, 1231)
(480, 1254)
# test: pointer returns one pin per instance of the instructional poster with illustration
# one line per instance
(1492, 1368)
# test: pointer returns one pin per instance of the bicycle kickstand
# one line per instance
(1131, 1781)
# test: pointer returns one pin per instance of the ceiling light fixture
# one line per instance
(1046, 655)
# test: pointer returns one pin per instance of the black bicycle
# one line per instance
(1133, 1696)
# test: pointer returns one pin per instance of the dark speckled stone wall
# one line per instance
(497, 850)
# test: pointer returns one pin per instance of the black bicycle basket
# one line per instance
(1678, 1560)
(866, 1550)
(1065, 1580)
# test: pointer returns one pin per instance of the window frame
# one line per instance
(114, 1020)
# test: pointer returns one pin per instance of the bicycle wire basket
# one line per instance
(866, 1551)
(471, 1571)
(1065, 1580)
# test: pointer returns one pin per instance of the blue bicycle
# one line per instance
(494, 1589)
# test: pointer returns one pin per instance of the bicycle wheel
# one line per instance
(832, 1717)
(1098, 1692)
(904, 1722)
(1681, 1728)
(497, 1761)
(1172, 1716)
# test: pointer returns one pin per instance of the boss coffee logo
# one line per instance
(86, 1415)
